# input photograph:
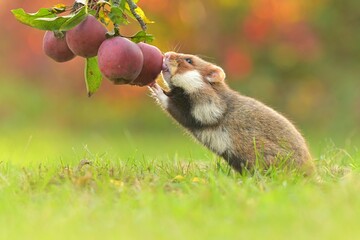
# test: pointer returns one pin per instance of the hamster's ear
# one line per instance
(216, 74)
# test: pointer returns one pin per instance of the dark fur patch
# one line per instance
(180, 100)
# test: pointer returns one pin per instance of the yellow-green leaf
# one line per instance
(103, 17)
(103, 2)
(59, 8)
(139, 12)
(93, 76)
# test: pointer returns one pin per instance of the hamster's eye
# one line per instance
(188, 60)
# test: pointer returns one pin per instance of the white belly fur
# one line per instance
(217, 139)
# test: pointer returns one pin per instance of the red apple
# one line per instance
(153, 60)
(56, 47)
(120, 60)
(85, 39)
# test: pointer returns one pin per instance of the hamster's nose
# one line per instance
(167, 55)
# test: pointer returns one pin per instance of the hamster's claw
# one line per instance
(156, 89)
(158, 94)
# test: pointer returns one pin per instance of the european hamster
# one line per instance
(240, 129)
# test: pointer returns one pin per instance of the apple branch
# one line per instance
(133, 7)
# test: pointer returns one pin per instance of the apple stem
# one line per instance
(59, 34)
(133, 7)
(76, 6)
(116, 30)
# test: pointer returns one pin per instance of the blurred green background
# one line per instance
(300, 57)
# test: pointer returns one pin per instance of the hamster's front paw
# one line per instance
(159, 95)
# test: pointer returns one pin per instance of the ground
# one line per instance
(65, 175)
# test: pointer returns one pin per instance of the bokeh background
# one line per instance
(300, 57)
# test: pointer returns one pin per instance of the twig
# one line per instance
(76, 6)
(132, 7)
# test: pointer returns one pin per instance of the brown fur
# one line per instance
(240, 129)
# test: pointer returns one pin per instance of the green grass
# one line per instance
(147, 180)
(147, 198)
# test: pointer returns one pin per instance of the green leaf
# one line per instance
(28, 18)
(51, 24)
(142, 37)
(74, 20)
(46, 20)
(122, 5)
(117, 16)
(93, 76)
(63, 23)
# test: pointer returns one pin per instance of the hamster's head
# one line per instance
(190, 73)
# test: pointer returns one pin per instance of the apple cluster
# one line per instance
(120, 60)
